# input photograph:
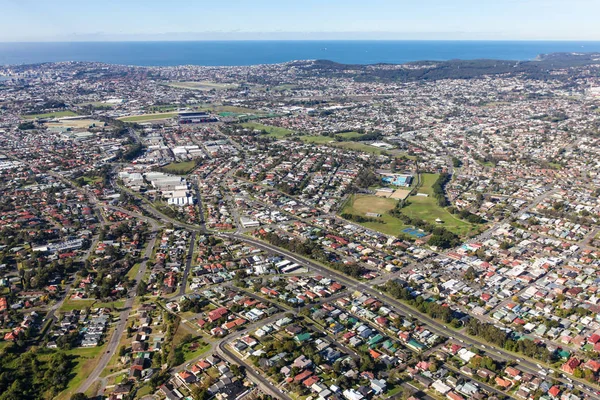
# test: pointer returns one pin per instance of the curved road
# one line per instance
(113, 343)
(433, 325)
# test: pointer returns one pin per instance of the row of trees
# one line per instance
(438, 189)
(359, 218)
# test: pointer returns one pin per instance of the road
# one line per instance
(188, 264)
(433, 325)
(401, 308)
(115, 338)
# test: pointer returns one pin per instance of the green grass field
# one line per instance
(344, 145)
(349, 135)
(230, 109)
(180, 166)
(148, 117)
(360, 204)
(85, 362)
(190, 354)
(426, 208)
(317, 139)
(70, 305)
(92, 180)
(365, 148)
(56, 114)
(272, 131)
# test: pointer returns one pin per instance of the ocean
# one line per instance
(233, 53)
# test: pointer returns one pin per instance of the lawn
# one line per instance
(70, 305)
(190, 354)
(426, 208)
(427, 181)
(55, 114)
(349, 135)
(365, 148)
(360, 204)
(345, 145)
(149, 117)
(178, 167)
(272, 131)
(85, 362)
(92, 180)
(317, 139)
(133, 271)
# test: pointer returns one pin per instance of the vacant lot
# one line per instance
(85, 362)
(272, 131)
(71, 304)
(55, 114)
(179, 167)
(360, 204)
(149, 117)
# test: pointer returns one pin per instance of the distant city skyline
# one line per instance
(115, 20)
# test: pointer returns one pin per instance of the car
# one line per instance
(462, 341)
(445, 327)
(498, 352)
(517, 360)
(450, 337)
(483, 346)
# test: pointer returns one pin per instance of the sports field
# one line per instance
(148, 117)
(349, 135)
(316, 139)
(365, 148)
(272, 131)
(360, 204)
(358, 146)
(425, 208)
(76, 123)
(55, 114)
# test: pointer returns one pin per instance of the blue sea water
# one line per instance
(228, 53)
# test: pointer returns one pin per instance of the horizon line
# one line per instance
(293, 40)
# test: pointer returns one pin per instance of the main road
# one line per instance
(433, 325)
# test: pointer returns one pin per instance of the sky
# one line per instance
(85, 20)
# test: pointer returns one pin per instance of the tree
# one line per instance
(79, 396)
(200, 393)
